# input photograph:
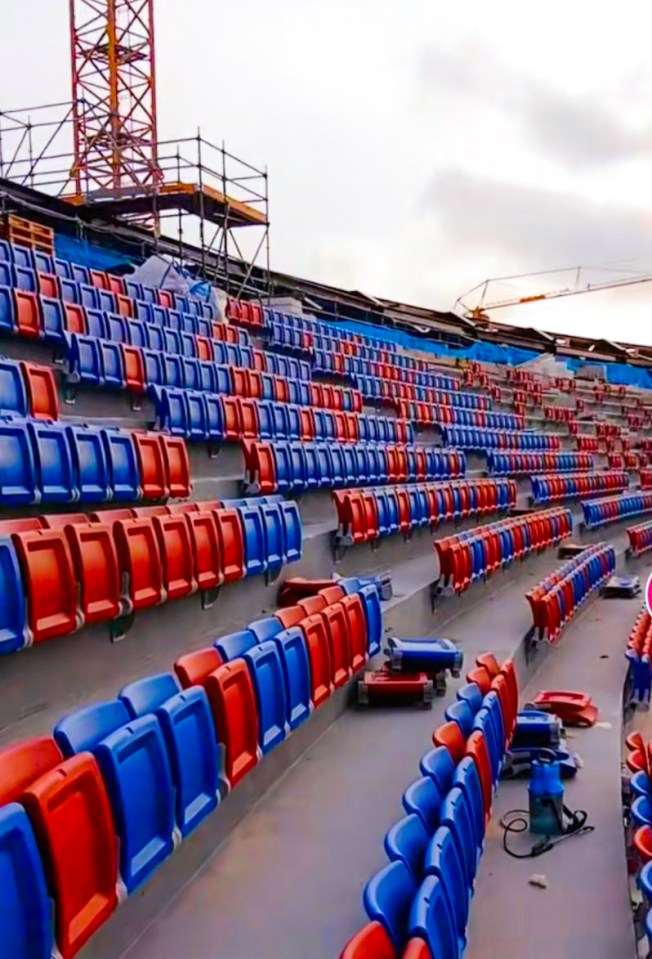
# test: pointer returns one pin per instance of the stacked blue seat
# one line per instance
(612, 509)
(424, 892)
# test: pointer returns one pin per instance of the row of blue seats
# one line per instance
(307, 325)
(45, 462)
(377, 388)
(418, 904)
(513, 463)
(485, 439)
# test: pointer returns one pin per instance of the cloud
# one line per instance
(585, 129)
(535, 227)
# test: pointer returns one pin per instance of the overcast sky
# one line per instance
(414, 148)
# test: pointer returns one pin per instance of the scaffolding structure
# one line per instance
(113, 95)
(202, 193)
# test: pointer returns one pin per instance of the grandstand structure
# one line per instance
(225, 498)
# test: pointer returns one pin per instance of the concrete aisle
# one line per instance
(585, 909)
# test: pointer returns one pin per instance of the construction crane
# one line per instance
(481, 309)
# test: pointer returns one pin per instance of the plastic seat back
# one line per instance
(370, 942)
(407, 841)
(24, 902)
(296, 674)
(49, 583)
(233, 703)
(234, 645)
(431, 920)
(266, 670)
(444, 863)
(388, 898)
(440, 766)
(189, 735)
(423, 798)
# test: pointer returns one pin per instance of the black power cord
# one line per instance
(518, 821)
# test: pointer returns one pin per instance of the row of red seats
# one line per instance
(475, 554)
(82, 568)
(365, 515)
(640, 638)
(607, 429)
(646, 478)
(559, 414)
(556, 599)
(640, 538)
(587, 444)
(245, 312)
(629, 460)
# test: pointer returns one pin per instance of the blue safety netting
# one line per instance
(616, 373)
(94, 257)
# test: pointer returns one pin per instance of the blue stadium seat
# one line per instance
(24, 903)
(133, 760)
(264, 664)
(406, 841)
(373, 614)
(18, 474)
(12, 599)
(296, 674)
(431, 919)
(91, 468)
(54, 462)
(122, 465)
(423, 798)
(53, 319)
(467, 778)
(388, 898)
(471, 694)
(96, 324)
(457, 816)
(187, 723)
(440, 766)
(13, 395)
(7, 310)
(460, 712)
(113, 373)
(274, 534)
(253, 533)
(265, 629)
(234, 645)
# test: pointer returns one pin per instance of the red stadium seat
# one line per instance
(311, 605)
(71, 801)
(177, 465)
(321, 670)
(41, 391)
(134, 368)
(193, 668)
(231, 544)
(95, 562)
(337, 631)
(173, 537)
(450, 735)
(371, 942)
(231, 695)
(75, 318)
(139, 558)
(66, 799)
(476, 746)
(205, 539)
(151, 464)
(290, 616)
(28, 313)
(49, 582)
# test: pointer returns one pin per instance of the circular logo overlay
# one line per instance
(648, 594)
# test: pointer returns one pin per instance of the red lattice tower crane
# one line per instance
(114, 97)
